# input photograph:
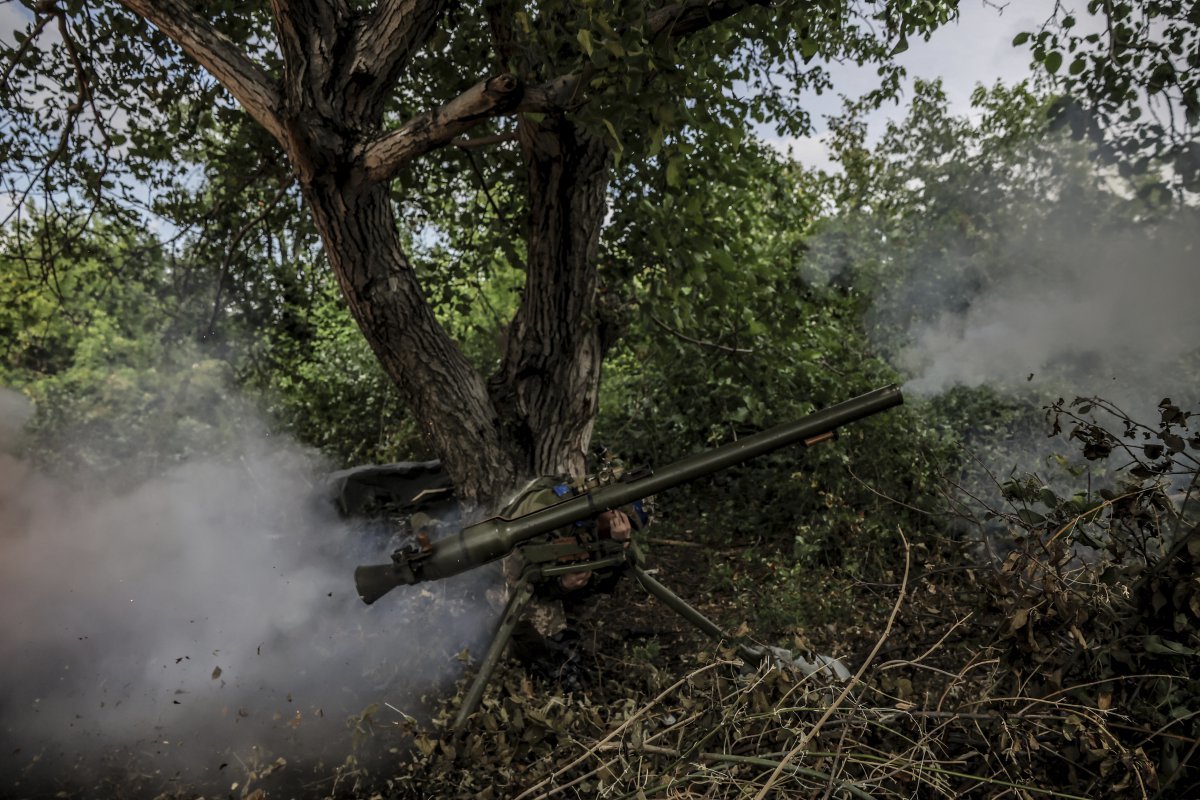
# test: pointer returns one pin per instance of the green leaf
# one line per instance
(674, 171)
(724, 261)
(656, 140)
(1021, 38)
(618, 148)
(1030, 517)
(612, 132)
(1053, 62)
(585, 40)
(900, 47)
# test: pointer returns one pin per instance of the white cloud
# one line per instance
(810, 151)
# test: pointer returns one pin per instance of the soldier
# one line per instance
(546, 640)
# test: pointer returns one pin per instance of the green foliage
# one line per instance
(85, 343)
(945, 211)
(126, 366)
(330, 392)
(1132, 87)
(730, 336)
(942, 204)
(749, 292)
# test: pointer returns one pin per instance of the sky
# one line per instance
(975, 49)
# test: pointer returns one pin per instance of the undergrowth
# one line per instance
(1064, 669)
(1059, 664)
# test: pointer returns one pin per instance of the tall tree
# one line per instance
(335, 85)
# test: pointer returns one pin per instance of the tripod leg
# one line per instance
(681, 607)
(522, 593)
(827, 665)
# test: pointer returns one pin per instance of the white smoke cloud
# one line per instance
(1067, 310)
(1112, 314)
(200, 615)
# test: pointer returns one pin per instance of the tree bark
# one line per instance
(547, 388)
(535, 416)
(326, 128)
(443, 391)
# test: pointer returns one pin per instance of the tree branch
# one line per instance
(699, 342)
(385, 155)
(504, 94)
(554, 95)
(485, 141)
(229, 254)
(390, 36)
(674, 21)
(680, 19)
(246, 81)
(43, 15)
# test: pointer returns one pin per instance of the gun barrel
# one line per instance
(494, 538)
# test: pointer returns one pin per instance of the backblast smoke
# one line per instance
(200, 625)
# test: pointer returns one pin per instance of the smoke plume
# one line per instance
(1110, 314)
(200, 623)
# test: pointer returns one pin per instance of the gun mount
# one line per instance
(547, 558)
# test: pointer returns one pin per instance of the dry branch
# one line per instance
(214, 51)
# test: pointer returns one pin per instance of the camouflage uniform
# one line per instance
(545, 612)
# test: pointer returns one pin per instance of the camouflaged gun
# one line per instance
(548, 557)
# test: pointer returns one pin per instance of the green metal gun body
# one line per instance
(494, 538)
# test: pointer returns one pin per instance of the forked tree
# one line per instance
(574, 83)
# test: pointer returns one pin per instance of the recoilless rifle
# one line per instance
(547, 557)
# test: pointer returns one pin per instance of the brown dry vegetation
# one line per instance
(1040, 676)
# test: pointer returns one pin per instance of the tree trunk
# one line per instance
(341, 62)
(547, 388)
(535, 416)
(442, 390)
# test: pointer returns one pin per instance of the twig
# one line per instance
(914, 662)
(233, 245)
(966, 775)
(45, 12)
(815, 729)
(699, 342)
(618, 730)
(890, 499)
